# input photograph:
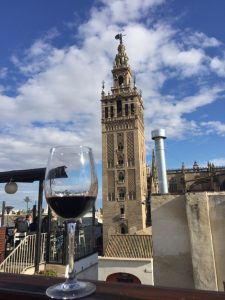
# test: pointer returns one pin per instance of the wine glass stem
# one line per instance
(70, 268)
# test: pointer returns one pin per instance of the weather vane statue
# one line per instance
(119, 36)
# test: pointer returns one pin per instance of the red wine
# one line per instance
(70, 206)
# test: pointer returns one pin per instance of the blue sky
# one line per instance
(54, 55)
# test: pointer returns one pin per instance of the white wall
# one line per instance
(171, 242)
(141, 268)
(188, 240)
(86, 268)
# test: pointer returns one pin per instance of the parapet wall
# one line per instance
(171, 243)
(188, 240)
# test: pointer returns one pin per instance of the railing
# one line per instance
(28, 287)
(85, 244)
(23, 256)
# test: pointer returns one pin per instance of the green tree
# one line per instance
(27, 200)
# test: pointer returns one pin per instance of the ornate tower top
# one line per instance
(123, 89)
(124, 83)
(122, 74)
(121, 59)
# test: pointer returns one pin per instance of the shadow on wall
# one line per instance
(172, 263)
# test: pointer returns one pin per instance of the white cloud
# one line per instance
(188, 62)
(40, 55)
(218, 65)
(36, 59)
(214, 127)
(204, 97)
(59, 103)
(8, 110)
(218, 161)
(133, 10)
(169, 113)
(144, 43)
(199, 39)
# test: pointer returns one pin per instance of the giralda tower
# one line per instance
(124, 188)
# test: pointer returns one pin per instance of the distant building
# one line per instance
(195, 179)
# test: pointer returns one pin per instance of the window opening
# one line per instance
(119, 108)
(111, 111)
(121, 80)
(106, 112)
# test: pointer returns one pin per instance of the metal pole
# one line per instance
(159, 135)
(48, 234)
(38, 238)
(3, 213)
(34, 211)
(93, 229)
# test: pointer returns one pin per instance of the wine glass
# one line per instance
(71, 188)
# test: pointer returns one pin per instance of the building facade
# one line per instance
(124, 188)
(195, 179)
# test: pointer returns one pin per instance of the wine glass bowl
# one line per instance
(71, 188)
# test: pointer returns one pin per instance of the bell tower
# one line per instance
(124, 188)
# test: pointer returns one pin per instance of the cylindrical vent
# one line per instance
(158, 136)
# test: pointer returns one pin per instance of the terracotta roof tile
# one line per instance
(129, 246)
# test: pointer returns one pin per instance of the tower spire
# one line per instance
(103, 88)
(122, 75)
(121, 59)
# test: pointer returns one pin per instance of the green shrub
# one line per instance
(50, 273)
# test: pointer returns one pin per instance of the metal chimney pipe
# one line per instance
(158, 136)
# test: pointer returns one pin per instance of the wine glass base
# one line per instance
(75, 290)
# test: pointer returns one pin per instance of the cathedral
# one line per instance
(195, 179)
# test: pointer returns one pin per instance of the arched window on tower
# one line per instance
(111, 112)
(123, 229)
(106, 113)
(132, 109)
(119, 108)
(121, 194)
(120, 160)
(122, 212)
(121, 80)
(121, 177)
(120, 147)
(126, 110)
